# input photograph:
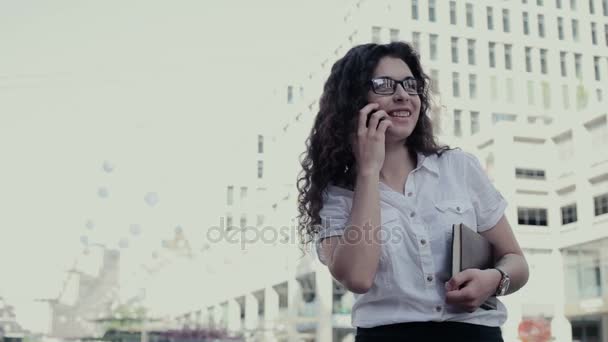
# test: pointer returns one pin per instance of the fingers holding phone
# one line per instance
(369, 151)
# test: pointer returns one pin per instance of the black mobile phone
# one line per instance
(369, 116)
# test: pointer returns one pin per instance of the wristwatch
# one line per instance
(504, 283)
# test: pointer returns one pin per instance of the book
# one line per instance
(471, 250)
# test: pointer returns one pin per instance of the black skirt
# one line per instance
(430, 331)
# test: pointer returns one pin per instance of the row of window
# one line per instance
(574, 5)
(243, 221)
(509, 90)
(538, 216)
(470, 18)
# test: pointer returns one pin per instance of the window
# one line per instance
(416, 40)
(562, 63)
(260, 221)
(539, 2)
(596, 67)
(243, 193)
(432, 11)
(498, 117)
(474, 122)
(260, 143)
(376, 34)
(530, 85)
(543, 61)
(532, 216)
(243, 222)
(433, 46)
(530, 174)
(230, 195)
(492, 54)
(528, 59)
(541, 25)
(599, 132)
(455, 84)
(575, 30)
(470, 22)
(289, 94)
(605, 7)
(569, 214)
(505, 21)
(457, 123)
(594, 33)
(453, 12)
(560, 28)
(600, 203)
(490, 17)
(565, 96)
(471, 51)
(526, 21)
(573, 5)
(508, 53)
(454, 42)
(510, 90)
(591, 7)
(558, 4)
(606, 34)
(578, 69)
(260, 168)
(472, 86)
(546, 94)
(394, 35)
(598, 95)
(565, 147)
(229, 225)
(415, 9)
(434, 81)
(493, 87)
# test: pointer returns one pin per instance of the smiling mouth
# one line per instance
(401, 114)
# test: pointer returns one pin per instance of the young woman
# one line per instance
(378, 196)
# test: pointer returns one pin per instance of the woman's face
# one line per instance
(402, 107)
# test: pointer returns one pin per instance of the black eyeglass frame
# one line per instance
(418, 85)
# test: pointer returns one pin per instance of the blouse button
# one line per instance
(409, 194)
(457, 208)
(438, 308)
(412, 214)
(423, 242)
(429, 278)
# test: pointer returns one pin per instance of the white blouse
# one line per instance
(417, 233)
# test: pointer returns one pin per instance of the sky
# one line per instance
(105, 102)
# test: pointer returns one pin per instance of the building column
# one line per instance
(324, 298)
(561, 328)
(510, 330)
(271, 313)
(234, 316)
(251, 312)
(294, 298)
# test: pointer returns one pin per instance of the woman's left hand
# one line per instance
(470, 288)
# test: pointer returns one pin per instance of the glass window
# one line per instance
(493, 87)
(432, 11)
(530, 173)
(594, 33)
(471, 51)
(260, 168)
(289, 94)
(470, 21)
(506, 25)
(526, 22)
(492, 54)
(578, 69)
(230, 195)
(562, 63)
(560, 28)
(565, 96)
(415, 9)
(591, 7)
(433, 46)
(596, 67)
(453, 12)
(528, 59)
(474, 122)
(260, 143)
(573, 5)
(434, 81)
(532, 216)
(541, 25)
(457, 122)
(569, 214)
(455, 84)
(416, 40)
(543, 61)
(510, 90)
(600, 204)
(454, 42)
(394, 35)
(490, 17)
(546, 88)
(575, 36)
(508, 61)
(472, 86)
(558, 4)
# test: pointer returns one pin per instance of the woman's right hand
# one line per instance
(368, 144)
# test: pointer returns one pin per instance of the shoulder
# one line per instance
(456, 158)
(334, 194)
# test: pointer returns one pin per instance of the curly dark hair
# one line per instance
(329, 157)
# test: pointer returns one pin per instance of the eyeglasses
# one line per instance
(388, 86)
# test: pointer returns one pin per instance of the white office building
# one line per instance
(521, 84)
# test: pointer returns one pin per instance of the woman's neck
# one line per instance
(398, 163)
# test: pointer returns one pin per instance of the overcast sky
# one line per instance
(156, 89)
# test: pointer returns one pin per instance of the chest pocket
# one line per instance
(453, 211)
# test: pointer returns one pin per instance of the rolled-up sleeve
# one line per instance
(334, 214)
(489, 204)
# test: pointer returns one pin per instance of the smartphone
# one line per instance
(369, 116)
